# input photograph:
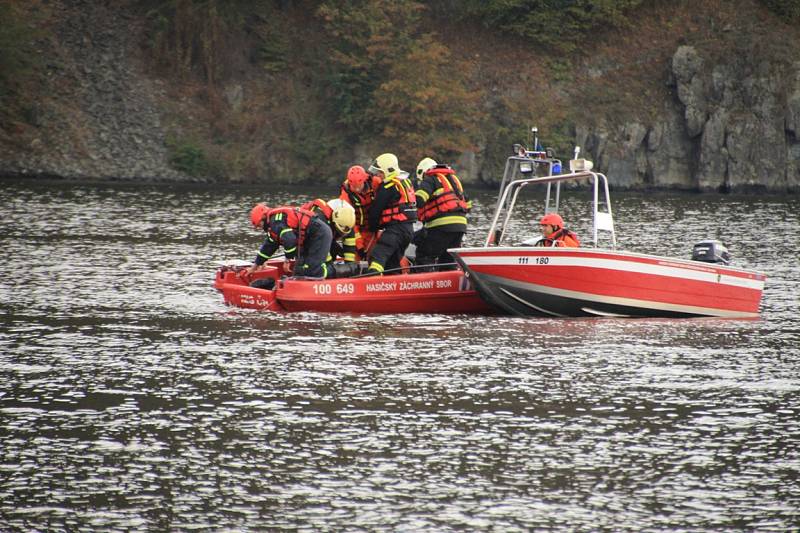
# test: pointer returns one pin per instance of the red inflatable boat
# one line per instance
(449, 292)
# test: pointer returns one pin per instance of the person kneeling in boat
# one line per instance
(555, 234)
(341, 218)
(442, 207)
(394, 210)
(304, 236)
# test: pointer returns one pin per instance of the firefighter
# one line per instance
(393, 211)
(555, 234)
(341, 218)
(442, 208)
(304, 236)
(339, 215)
(358, 189)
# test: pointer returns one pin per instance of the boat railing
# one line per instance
(530, 161)
(602, 220)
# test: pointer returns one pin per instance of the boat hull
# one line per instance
(236, 291)
(575, 282)
(447, 292)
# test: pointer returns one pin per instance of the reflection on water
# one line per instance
(132, 399)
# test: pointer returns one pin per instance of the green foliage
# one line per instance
(187, 156)
(790, 9)
(17, 56)
(369, 36)
(560, 69)
(497, 151)
(558, 24)
(315, 149)
(272, 50)
(561, 139)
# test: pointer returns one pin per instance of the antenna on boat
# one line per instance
(535, 134)
(577, 152)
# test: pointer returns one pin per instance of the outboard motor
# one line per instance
(711, 252)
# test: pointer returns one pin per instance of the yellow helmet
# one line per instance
(386, 163)
(424, 166)
(343, 215)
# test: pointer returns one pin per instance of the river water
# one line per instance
(132, 399)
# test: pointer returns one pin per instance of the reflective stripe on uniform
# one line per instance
(443, 221)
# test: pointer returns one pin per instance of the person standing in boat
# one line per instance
(358, 189)
(394, 211)
(442, 207)
(555, 234)
(304, 236)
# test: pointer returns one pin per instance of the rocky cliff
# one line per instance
(96, 114)
(728, 121)
(731, 126)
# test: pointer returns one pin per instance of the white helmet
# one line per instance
(343, 215)
(424, 166)
(387, 164)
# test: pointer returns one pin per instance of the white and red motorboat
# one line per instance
(596, 281)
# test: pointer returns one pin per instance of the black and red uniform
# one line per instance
(394, 210)
(442, 206)
(304, 237)
(325, 212)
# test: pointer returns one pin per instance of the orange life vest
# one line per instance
(405, 208)
(296, 218)
(360, 201)
(561, 237)
(320, 207)
(448, 198)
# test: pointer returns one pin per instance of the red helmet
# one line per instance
(356, 176)
(258, 214)
(554, 219)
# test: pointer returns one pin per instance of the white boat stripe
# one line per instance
(603, 313)
(529, 304)
(671, 270)
(631, 302)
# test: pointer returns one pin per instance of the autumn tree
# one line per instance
(393, 81)
(425, 104)
(368, 38)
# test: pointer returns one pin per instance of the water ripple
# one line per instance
(131, 398)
